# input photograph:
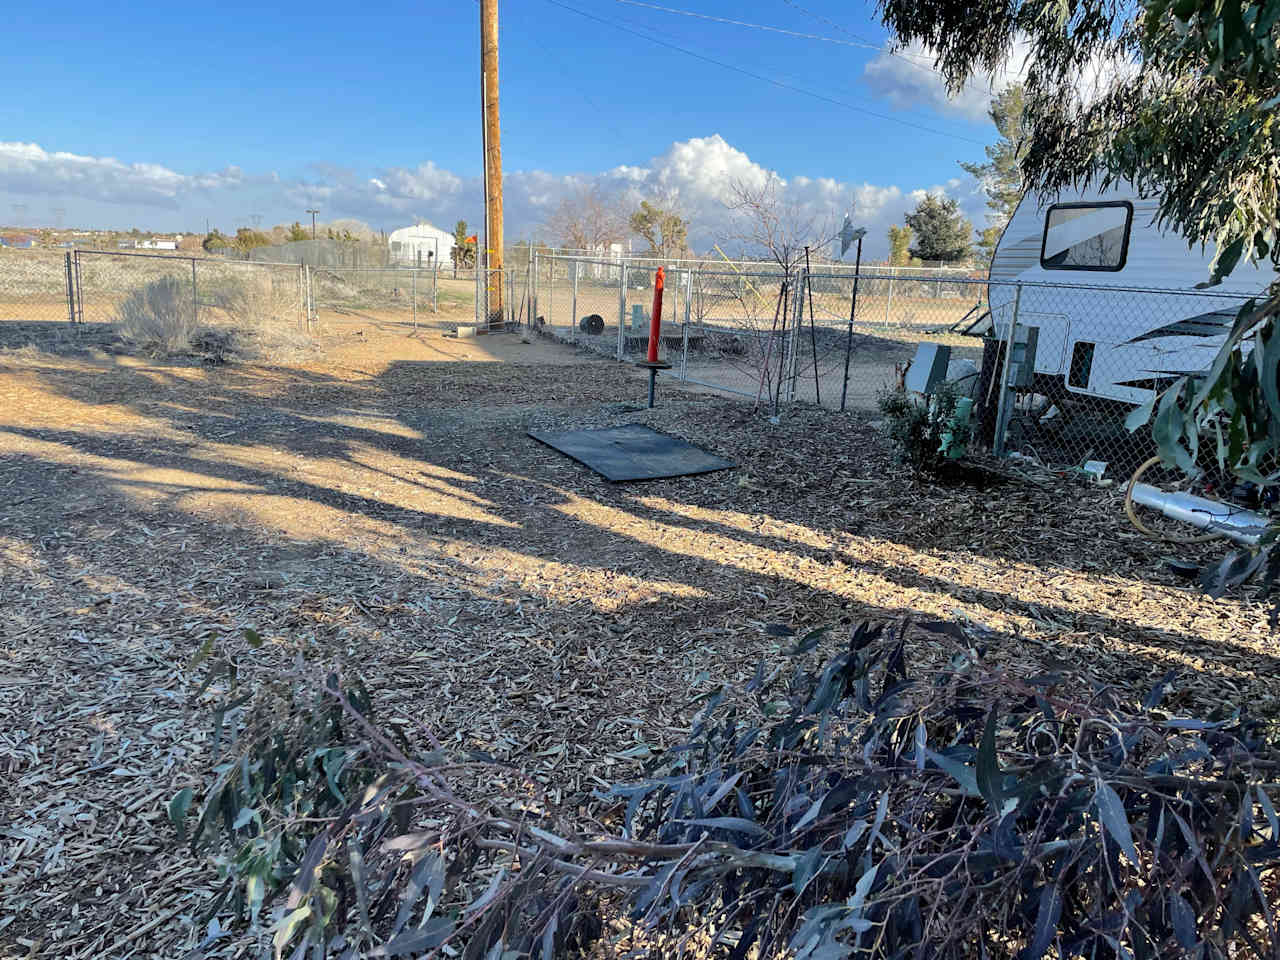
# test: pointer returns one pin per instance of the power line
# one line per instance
(924, 64)
(818, 16)
(919, 61)
(761, 77)
(756, 26)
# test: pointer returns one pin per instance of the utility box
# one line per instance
(639, 321)
(928, 368)
(1022, 359)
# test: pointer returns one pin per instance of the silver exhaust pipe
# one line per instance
(1241, 525)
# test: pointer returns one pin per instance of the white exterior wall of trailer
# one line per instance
(1101, 341)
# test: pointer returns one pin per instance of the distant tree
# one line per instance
(988, 238)
(666, 232)
(356, 229)
(899, 246)
(296, 232)
(464, 248)
(215, 240)
(1000, 176)
(941, 233)
(587, 220)
(765, 223)
(247, 239)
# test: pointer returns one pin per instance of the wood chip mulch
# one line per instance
(392, 516)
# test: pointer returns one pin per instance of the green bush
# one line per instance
(918, 427)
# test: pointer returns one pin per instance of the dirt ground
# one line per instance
(379, 506)
(727, 348)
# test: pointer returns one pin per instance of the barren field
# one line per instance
(379, 507)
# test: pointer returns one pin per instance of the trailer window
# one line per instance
(1086, 236)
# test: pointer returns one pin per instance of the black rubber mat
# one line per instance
(632, 452)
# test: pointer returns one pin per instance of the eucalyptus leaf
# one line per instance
(1113, 817)
(288, 927)
(178, 807)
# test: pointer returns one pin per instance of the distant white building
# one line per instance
(421, 244)
(160, 243)
(613, 252)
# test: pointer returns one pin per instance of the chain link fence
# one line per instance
(1053, 368)
(201, 305)
(402, 295)
(34, 297)
(1076, 359)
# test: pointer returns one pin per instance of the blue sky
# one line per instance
(176, 112)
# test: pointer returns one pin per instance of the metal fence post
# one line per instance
(888, 304)
(71, 291)
(195, 299)
(688, 307)
(1002, 408)
(684, 352)
(479, 291)
(622, 310)
(573, 310)
(794, 345)
(75, 268)
(415, 300)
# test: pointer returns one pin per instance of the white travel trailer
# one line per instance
(1109, 335)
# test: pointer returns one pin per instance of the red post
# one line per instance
(655, 318)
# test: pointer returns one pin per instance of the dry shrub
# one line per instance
(849, 806)
(243, 317)
(262, 319)
(158, 317)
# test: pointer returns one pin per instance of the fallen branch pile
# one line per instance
(846, 808)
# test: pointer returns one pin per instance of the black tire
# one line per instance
(593, 324)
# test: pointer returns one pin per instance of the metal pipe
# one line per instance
(71, 291)
(622, 310)
(813, 331)
(782, 347)
(573, 310)
(793, 345)
(1002, 404)
(853, 310)
(1241, 525)
(684, 351)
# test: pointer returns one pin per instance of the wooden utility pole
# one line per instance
(492, 158)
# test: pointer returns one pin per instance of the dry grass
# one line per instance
(383, 507)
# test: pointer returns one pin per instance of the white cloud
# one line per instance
(906, 79)
(27, 168)
(695, 174)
